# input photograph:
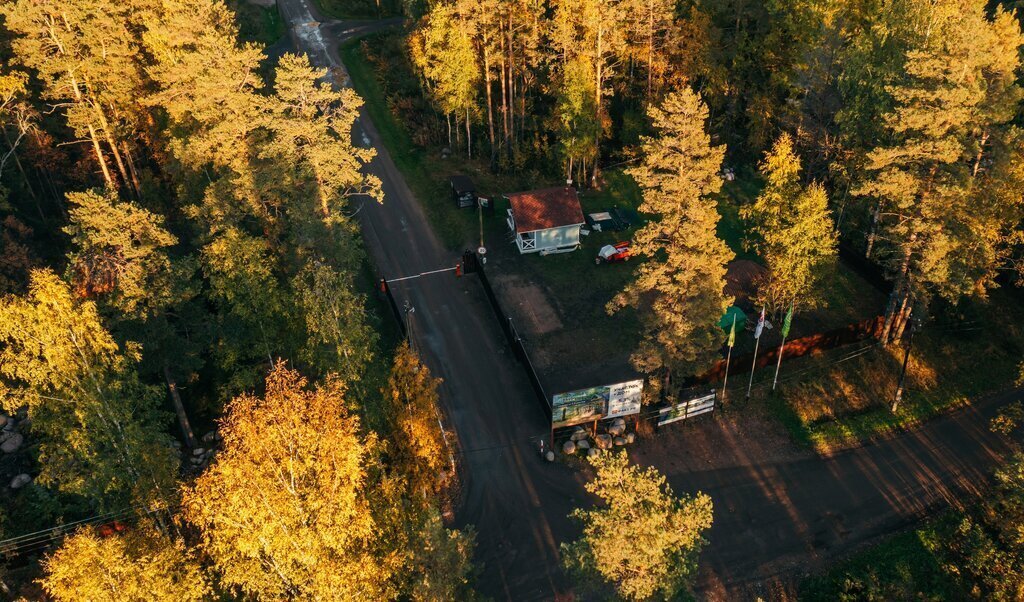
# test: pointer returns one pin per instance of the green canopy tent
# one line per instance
(726, 322)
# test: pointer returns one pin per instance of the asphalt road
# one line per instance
(773, 519)
(517, 504)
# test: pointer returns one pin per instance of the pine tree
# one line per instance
(120, 251)
(138, 565)
(87, 56)
(794, 232)
(312, 126)
(679, 290)
(642, 539)
(950, 100)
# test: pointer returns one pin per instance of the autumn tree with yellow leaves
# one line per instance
(419, 449)
(140, 564)
(298, 504)
(103, 435)
(792, 231)
(641, 539)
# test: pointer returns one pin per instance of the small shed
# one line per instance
(463, 191)
(546, 221)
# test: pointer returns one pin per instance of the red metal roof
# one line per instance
(548, 208)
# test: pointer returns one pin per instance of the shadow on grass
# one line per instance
(903, 567)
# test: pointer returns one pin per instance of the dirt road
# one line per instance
(773, 513)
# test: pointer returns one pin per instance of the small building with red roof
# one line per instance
(546, 221)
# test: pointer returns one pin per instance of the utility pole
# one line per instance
(906, 359)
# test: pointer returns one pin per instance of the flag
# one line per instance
(787, 321)
(760, 325)
(732, 332)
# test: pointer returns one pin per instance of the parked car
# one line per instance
(613, 253)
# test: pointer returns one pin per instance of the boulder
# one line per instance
(583, 445)
(603, 441)
(616, 429)
(569, 447)
(549, 456)
(579, 434)
(210, 437)
(619, 441)
(12, 443)
(198, 451)
(20, 481)
(630, 437)
(196, 461)
(593, 451)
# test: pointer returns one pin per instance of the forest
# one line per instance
(202, 395)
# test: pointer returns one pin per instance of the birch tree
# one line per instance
(139, 565)
(793, 231)
(101, 429)
(641, 539)
(283, 511)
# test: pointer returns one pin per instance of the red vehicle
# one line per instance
(613, 253)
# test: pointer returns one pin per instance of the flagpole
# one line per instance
(778, 364)
(757, 343)
(753, 365)
(728, 358)
(782, 347)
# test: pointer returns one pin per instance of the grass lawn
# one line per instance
(258, 23)
(575, 290)
(955, 359)
(904, 567)
(357, 9)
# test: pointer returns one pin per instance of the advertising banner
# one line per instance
(624, 399)
(687, 409)
(605, 401)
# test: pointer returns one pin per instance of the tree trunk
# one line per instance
(511, 89)
(902, 317)
(981, 153)
(504, 100)
(874, 229)
(598, 64)
(901, 292)
(469, 138)
(179, 409)
(490, 102)
(98, 110)
(448, 118)
(131, 168)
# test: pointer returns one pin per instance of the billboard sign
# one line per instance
(624, 399)
(605, 401)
